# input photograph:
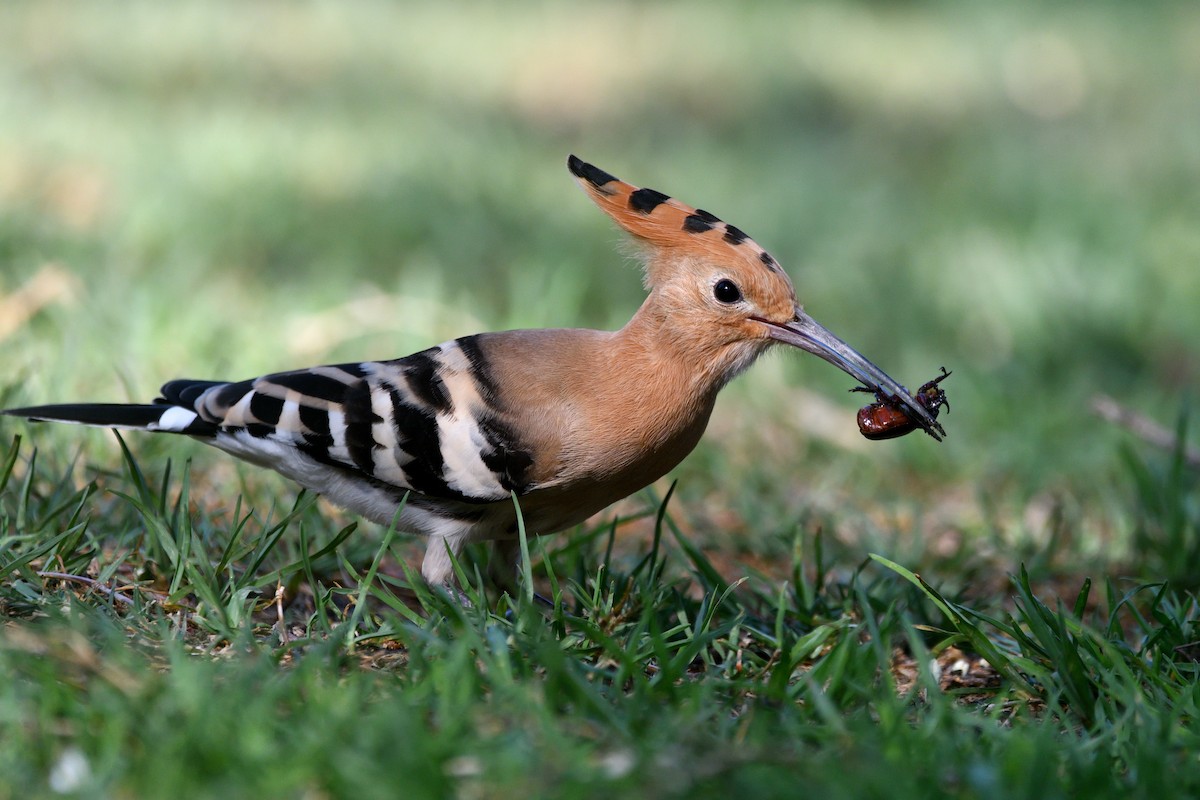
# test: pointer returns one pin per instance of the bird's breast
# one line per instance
(597, 418)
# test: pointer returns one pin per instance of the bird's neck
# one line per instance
(668, 345)
(660, 381)
(645, 412)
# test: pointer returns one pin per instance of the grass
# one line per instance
(178, 671)
(220, 190)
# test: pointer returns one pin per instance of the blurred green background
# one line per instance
(1009, 190)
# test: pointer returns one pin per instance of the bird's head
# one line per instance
(713, 284)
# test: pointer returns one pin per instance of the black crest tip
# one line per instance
(593, 175)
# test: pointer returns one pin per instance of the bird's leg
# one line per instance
(437, 568)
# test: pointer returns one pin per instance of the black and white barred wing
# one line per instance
(425, 423)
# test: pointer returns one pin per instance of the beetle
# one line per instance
(887, 419)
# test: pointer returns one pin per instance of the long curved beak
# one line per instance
(807, 334)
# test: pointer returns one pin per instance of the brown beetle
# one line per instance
(887, 419)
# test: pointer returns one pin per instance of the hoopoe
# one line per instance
(569, 420)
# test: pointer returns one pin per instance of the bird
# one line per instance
(567, 421)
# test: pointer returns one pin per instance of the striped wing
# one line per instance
(428, 422)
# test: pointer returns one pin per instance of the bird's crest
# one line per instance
(671, 228)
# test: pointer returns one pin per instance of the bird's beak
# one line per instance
(804, 332)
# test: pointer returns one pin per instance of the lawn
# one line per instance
(218, 190)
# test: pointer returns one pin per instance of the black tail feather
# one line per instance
(159, 417)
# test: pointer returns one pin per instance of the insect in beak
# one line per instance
(806, 333)
(884, 419)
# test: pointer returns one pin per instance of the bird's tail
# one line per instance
(162, 416)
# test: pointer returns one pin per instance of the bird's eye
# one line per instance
(726, 291)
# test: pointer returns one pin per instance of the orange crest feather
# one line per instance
(665, 223)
